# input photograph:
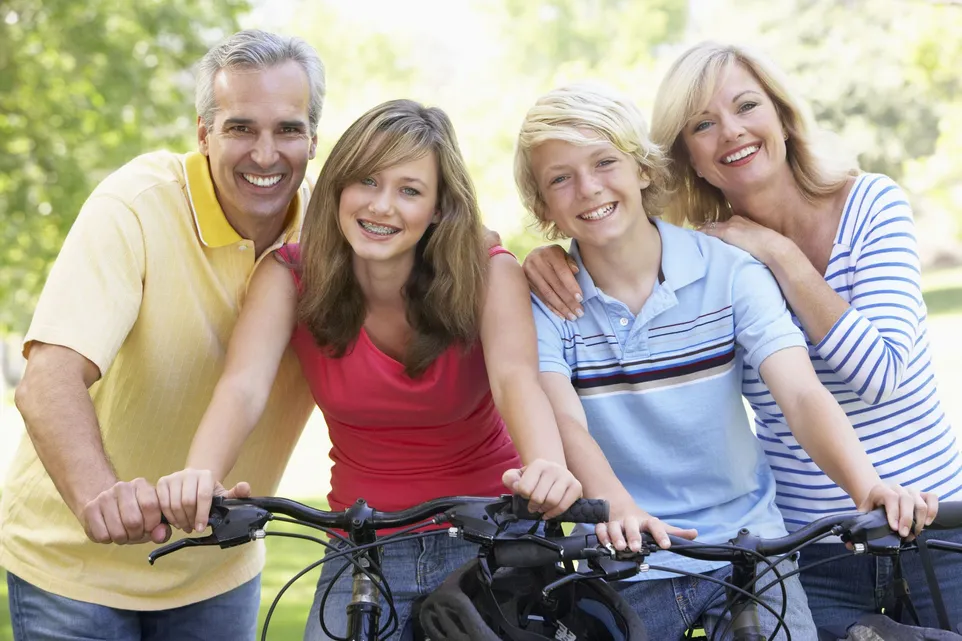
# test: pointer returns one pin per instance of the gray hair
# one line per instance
(256, 49)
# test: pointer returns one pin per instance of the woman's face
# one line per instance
(737, 142)
(385, 215)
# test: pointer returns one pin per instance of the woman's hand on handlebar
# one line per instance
(903, 506)
(185, 497)
(549, 487)
(628, 522)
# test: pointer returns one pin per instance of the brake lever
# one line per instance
(870, 532)
(479, 522)
(230, 526)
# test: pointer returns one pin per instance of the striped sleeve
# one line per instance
(869, 345)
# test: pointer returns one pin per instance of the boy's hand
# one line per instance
(628, 522)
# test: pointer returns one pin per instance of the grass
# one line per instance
(285, 557)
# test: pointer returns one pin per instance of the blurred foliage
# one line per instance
(84, 87)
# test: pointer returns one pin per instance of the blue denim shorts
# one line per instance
(36, 614)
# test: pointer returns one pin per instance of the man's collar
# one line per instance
(212, 225)
(682, 261)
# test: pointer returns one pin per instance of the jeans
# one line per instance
(412, 569)
(38, 615)
(841, 591)
(669, 607)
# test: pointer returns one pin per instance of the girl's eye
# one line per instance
(747, 106)
(410, 191)
(368, 181)
(606, 162)
(557, 180)
(703, 125)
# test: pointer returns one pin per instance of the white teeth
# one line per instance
(380, 230)
(599, 213)
(738, 155)
(263, 181)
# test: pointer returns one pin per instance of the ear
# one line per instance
(644, 177)
(202, 134)
(313, 151)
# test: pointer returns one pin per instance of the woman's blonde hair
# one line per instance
(563, 114)
(819, 165)
(445, 288)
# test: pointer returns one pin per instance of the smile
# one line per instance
(601, 212)
(745, 152)
(379, 230)
(263, 181)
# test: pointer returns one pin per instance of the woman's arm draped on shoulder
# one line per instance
(257, 344)
(511, 357)
(867, 342)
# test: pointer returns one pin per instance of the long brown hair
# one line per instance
(445, 289)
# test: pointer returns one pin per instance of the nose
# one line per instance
(380, 204)
(588, 185)
(731, 127)
(264, 152)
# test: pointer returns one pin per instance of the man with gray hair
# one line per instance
(125, 348)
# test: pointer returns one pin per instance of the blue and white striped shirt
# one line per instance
(876, 361)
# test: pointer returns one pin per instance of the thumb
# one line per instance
(511, 479)
(240, 491)
(160, 534)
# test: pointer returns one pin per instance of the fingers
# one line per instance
(170, 492)
(932, 504)
(204, 492)
(240, 491)
(616, 535)
(549, 487)
(127, 512)
(550, 277)
(906, 512)
(511, 479)
(149, 504)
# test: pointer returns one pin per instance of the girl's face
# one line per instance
(737, 142)
(385, 215)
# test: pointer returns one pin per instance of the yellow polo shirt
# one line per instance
(148, 286)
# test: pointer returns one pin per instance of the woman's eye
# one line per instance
(747, 106)
(606, 162)
(410, 191)
(368, 181)
(703, 125)
(557, 180)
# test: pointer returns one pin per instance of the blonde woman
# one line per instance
(397, 315)
(749, 166)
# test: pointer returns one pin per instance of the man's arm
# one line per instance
(60, 420)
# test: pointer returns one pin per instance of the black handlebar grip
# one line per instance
(949, 516)
(531, 554)
(581, 511)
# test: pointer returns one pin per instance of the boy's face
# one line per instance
(591, 192)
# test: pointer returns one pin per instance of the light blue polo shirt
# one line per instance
(662, 390)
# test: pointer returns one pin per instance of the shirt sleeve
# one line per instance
(869, 345)
(551, 334)
(763, 325)
(92, 296)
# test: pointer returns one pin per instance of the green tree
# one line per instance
(84, 87)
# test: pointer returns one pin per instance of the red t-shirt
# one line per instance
(397, 441)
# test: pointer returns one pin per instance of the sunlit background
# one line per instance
(85, 86)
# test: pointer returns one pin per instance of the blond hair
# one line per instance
(444, 290)
(561, 114)
(817, 162)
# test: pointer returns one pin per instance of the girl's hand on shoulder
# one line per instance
(550, 272)
(549, 487)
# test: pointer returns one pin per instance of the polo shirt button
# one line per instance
(624, 322)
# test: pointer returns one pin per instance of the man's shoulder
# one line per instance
(150, 171)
